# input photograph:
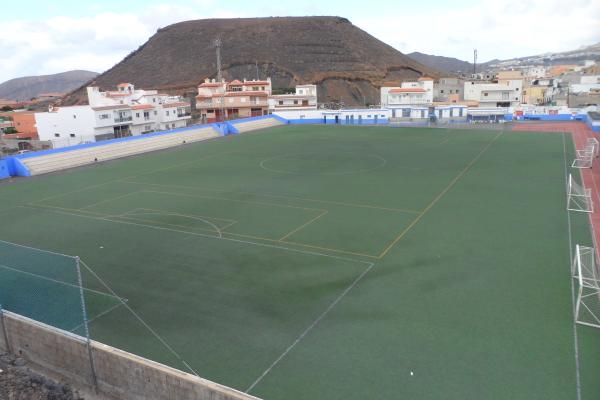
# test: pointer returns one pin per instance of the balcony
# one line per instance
(183, 115)
(123, 119)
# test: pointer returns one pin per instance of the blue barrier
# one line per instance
(4, 172)
(594, 125)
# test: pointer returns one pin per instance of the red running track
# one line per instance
(591, 176)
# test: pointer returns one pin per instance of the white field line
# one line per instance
(573, 305)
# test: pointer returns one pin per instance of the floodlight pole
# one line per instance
(85, 325)
(217, 43)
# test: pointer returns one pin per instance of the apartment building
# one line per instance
(219, 101)
(505, 91)
(448, 89)
(305, 98)
(113, 114)
(540, 91)
(419, 93)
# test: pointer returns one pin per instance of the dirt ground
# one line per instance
(18, 382)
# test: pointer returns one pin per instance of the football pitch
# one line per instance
(328, 262)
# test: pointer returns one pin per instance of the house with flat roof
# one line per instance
(220, 101)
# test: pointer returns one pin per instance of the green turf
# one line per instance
(336, 260)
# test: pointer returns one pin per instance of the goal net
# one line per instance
(579, 198)
(595, 144)
(585, 157)
(585, 273)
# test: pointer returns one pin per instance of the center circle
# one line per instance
(325, 163)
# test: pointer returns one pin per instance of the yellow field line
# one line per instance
(185, 215)
(74, 211)
(109, 200)
(45, 206)
(234, 200)
(279, 196)
(161, 223)
(130, 176)
(438, 197)
(303, 225)
(329, 249)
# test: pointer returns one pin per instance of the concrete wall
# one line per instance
(120, 375)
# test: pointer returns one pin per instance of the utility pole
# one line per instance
(217, 43)
(474, 61)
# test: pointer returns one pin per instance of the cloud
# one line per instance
(94, 43)
(502, 30)
(498, 29)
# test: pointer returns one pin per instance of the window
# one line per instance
(368, 116)
(155, 112)
(280, 102)
(517, 89)
(137, 115)
(154, 99)
(72, 135)
(57, 135)
(442, 91)
(104, 116)
(167, 113)
(74, 116)
(382, 115)
(485, 94)
(295, 101)
(173, 125)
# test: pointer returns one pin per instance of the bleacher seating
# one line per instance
(111, 150)
(257, 124)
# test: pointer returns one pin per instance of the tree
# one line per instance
(7, 108)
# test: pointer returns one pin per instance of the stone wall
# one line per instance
(119, 375)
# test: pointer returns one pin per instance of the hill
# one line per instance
(346, 62)
(454, 65)
(446, 64)
(27, 87)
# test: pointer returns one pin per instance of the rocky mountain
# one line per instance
(25, 88)
(446, 64)
(346, 62)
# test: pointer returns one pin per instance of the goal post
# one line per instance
(595, 144)
(585, 157)
(579, 198)
(585, 273)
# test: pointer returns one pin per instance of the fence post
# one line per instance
(85, 325)
(4, 331)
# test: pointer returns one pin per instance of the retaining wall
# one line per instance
(120, 375)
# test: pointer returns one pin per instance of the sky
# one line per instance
(43, 37)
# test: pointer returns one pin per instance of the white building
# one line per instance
(67, 125)
(305, 98)
(409, 93)
(112, 114)
(586, 84)
(505, 92)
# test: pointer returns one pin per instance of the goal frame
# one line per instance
(587, 278)
(579, 198)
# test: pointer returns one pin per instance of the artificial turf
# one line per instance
(306, 262)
